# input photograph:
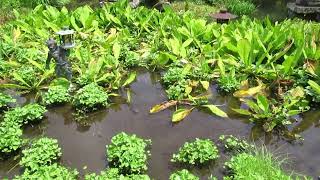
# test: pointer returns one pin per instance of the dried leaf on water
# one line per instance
(181, 114)
(163, 106)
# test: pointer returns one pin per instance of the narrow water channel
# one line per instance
(84, 148)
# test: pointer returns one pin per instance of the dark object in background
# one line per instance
(223, 16)
(306, 9)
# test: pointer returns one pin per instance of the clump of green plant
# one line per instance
(26, 114)
(128, 153)
(5, 100)
(258, 165)
(234, 144)
(44, 151)
(114, 174)
(197, 152)
(239, 7)
(174, 75)
(183, 175)
(271, 113)
(54, 171)
(313, 90)
(228, 83)
(177, 91)
(90, 97)
(10, 138)
(56, 95)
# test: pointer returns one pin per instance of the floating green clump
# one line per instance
(26, 114)
(260, 165)
(5, 100)
(183, 175)
(90, 97)
(114, 174)
(198, 152)
(234, 144)
(44, 151)
(53, 171)
(56, 95)
(10, 138)
(128, 153)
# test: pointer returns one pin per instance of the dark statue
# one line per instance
(59, 54)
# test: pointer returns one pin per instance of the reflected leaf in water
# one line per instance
(309, 119)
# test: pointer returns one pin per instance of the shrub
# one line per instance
(10, 138)
(56, 95)
(43, 151)
(5, 100)
(197, 152)
(128, 153)
(174, 75)
(26, 114)
(53, 171)
(90, 97)
(233, 144)
(183, 175)
(228, 84)
(260, 165)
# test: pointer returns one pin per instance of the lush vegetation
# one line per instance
(197, 152)
(128, 153)
(183, 175)
(114, 174)
(56, 95)
(5, 100)
(234, 144)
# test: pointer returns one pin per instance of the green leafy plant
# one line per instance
(10, 138)
(128, 153)
(234, 144)
(56, 95)
(90, 97)
(5, 100)
(197, 152)
(26, 114)
(53, 171)
(42, 152)
(228, 83)
(183, 175)
(114, 174)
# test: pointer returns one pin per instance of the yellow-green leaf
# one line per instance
(205, 84)
(215, 110)
(162, 106)
(130, 79)
(180, 114)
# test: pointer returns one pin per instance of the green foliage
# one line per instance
(10, 138)
(177, 91)
(114, 174)
(228, 83)
(255, 166)
(5, 100)
(42, 152)
(183, 175)
(90, 97)
(128, 153)
(198, 152)
(174, 75)
(53, 171)
(240, 7)
(234, 144)
(56, 95)
(23, 115)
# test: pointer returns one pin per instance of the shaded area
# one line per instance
(83, 145)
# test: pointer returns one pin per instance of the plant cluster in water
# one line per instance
(128, 153)
(197, 152)
(183, 174)
(56, 95)
(234, 144)
(114, 174)
(5, 100)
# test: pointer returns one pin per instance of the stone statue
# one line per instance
(59, 54)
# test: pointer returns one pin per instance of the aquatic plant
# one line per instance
(23, 115)
(10, 138)
(42, 152)
(258, 165)
(5, 100)
(53, 171)
(183, 175)
(90, 97)
(128, 153)
(228, 83)
(111, 173)
(234, 144)
(56, 95)
(197, 152)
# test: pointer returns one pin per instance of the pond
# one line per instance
(84, 148)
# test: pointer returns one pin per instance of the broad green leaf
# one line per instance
(180, 114)
(244, 48)
(242, 111)
(187, 43)
(130, 79)
(116, 49)
(263, 103)
(215, 110)
(250, 92)
(315, 86)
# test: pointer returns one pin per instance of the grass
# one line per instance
(199, 9)
(258, 164)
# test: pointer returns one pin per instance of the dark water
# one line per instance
(274, 9)
(84, 145)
